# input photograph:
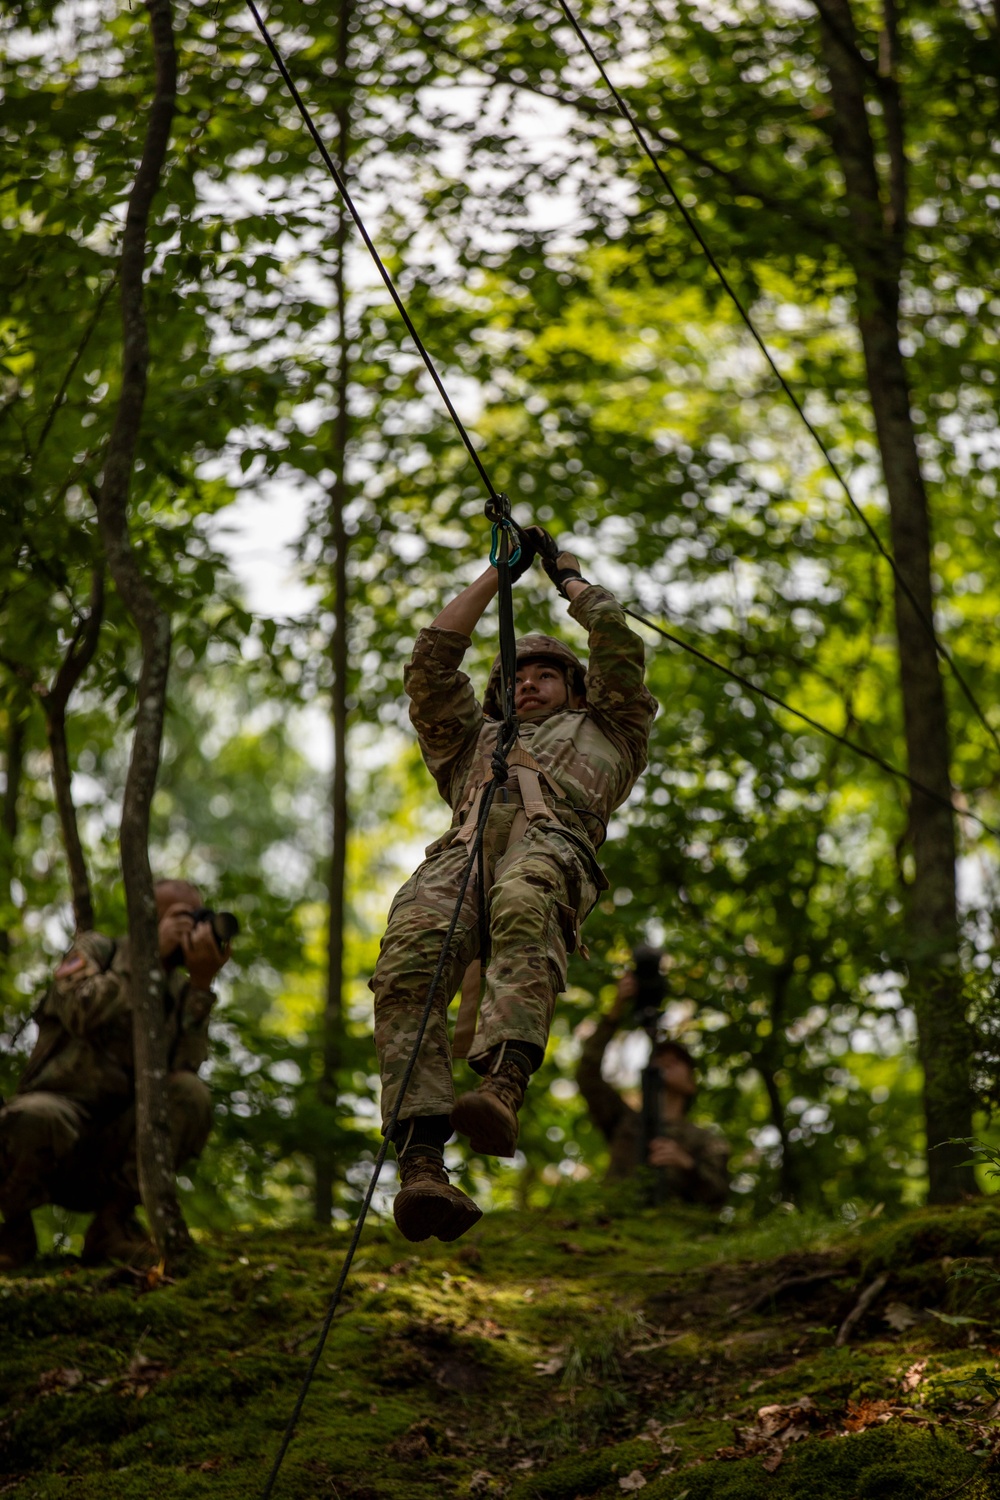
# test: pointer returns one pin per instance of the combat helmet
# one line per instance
(536, 648)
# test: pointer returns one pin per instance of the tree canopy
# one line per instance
(617, 397)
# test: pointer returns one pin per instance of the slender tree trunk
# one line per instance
(13, 770)
(156, 1177)
(75, 663)
(767, 1064)
(333, 1015)
(878, 216)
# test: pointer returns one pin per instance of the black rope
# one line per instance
(505, 738)
(731, 292)
(815, 724)
(508, 639)
(508, 677)
(506, 735)
(331, 167)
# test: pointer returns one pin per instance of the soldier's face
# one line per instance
(539, 690)
(676, 1075)
(179, 893)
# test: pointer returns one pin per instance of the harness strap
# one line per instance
(529, 776)
(534, 809)
(468, 1010)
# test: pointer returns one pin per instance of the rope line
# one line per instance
(506, 735)
(338, 178)
(695, 228)
(505, 738)
(815, 724)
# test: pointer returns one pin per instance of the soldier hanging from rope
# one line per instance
(581, 746)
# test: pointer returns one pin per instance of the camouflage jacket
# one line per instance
(706, 1182)
(595, 754)
(84, 1044)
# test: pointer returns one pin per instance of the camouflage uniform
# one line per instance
(706, 1182)
(68, 1135)
(541, 887)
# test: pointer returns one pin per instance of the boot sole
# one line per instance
(424, 1216)
(477, 1117)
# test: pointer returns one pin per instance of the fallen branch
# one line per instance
(870, 1294)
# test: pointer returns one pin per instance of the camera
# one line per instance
(651, 989)
(223, 924)
(224, 928)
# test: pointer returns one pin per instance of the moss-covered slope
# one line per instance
(545, 1357)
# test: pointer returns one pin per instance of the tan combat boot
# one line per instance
(114, 1233)
(488, 1116)
(427, 1204)
(18, 1245)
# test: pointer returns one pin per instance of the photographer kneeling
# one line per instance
(68, 1135)
(691, 1162)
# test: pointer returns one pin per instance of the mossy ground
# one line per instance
(547, 1356)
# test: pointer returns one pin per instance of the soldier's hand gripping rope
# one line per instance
(561, 567)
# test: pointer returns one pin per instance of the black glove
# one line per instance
(545, 548)
(529, 550)
(561, 576)
(548, 551)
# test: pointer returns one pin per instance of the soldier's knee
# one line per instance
(190, 1105)
(523, 905)
(40, 1123)
(408, 957)
(38, 1133)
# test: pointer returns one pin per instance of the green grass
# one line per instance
(547, 1356)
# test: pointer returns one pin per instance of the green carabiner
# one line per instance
(514, 554)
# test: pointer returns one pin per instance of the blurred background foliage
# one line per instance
(620, 402)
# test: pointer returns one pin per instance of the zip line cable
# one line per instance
(498, 505)
(820, 728)
(695, 228)
(498, 511)
(338, 178)
(498, 502)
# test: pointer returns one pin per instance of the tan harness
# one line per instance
(533, 810)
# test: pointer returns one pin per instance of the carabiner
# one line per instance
(513, 545)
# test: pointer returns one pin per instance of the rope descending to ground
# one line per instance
(506, 735)
(505, 739)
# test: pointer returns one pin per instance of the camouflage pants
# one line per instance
(543, 887)
(52, 1151)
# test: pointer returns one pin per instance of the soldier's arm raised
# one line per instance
(443, 706)
(615, 669)
(604, 1104)
(464, 612)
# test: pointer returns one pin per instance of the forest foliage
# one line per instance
(619, 400)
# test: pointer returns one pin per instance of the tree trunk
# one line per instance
(77, 660)
(333, 1015)
(767, 1064)
(13, 769)
(156, 1177)
(934, 980)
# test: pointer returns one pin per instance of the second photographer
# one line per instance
(685, 1161)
